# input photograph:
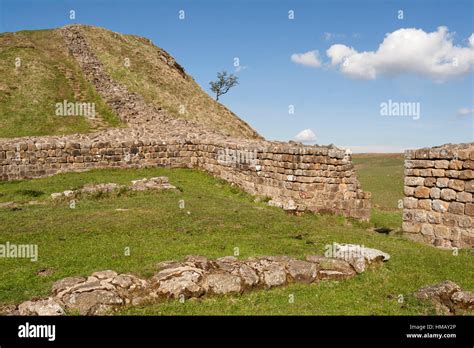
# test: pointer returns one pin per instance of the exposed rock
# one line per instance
(223, 283)
(40, 307)
(248, 275)
(194, 277)
(447, 297)
(359, 256)
(274, 275)
(66, 283)
(331, 269)
(104, 274)
(463, 301)
(173, 282)
(92, 302)
(302, 271)
(155, 183)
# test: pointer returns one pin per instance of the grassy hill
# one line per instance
(44, 75)
(48, 74)
(155, 75)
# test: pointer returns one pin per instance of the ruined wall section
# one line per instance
(439, 188)
(296, 178)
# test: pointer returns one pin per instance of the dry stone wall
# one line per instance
(295, 177)
(439, 188)
(319, 179)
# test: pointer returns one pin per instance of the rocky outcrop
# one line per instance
(448, 298)
(194, 277)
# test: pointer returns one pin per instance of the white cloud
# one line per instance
(407, 50)
(310, 58)
(465, 111)
(305, 136)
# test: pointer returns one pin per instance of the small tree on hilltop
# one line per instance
(223, 84)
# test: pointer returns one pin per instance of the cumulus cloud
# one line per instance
(305, 136)
(465, 111)
(407, 50)
(310, 58)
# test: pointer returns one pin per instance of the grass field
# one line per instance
(94, 235)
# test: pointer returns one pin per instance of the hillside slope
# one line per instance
(38, 72)
(48, 74)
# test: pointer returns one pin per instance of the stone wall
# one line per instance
(315, 178)
(438, 204)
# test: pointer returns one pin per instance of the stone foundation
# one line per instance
(197, 277)
(438, 204)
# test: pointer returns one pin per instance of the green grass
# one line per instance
(94, 235)
(382, 174)
(47, 74)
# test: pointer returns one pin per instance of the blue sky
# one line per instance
(338, 106)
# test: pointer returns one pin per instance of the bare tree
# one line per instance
(223, 84)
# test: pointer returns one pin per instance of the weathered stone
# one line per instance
(440, 206)
(223, 283)
(104, 274)
(469, 209)
(457, 185)
(424, 204)
(442, 231)
(410, 203)
(199, 261)
(448, 298)
(302, 271)
(40, 307)
(330, 268)
(414, 181)
(67, 283)
(464, 197)
(435, 193)
(411, 227)
(107, 290)
(463, 301)
(274, 275)
(442, 182)
(427, 230)
(173, 282)
(422, 192)
(448, 194)
(456, 208)
(92, 302)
